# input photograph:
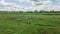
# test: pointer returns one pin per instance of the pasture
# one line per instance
(29, 23)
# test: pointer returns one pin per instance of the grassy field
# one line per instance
(30, 23)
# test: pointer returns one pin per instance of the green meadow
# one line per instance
(29, 23)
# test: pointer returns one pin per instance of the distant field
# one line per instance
(29, 23)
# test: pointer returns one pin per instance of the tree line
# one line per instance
(42, 11)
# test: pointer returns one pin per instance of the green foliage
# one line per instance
(29, 23)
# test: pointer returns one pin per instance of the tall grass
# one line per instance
(29, 23)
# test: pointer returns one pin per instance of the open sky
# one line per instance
(31, 5)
